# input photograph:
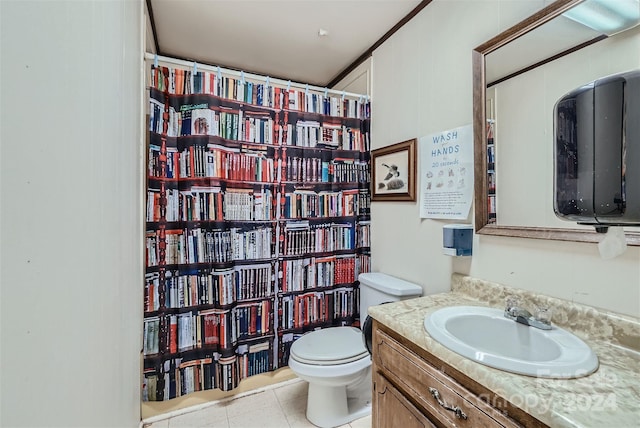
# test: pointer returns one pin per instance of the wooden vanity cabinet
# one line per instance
(392, 409)
(412, 388)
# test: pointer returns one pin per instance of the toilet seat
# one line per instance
(330, 346)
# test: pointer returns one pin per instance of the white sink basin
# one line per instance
(486, 336)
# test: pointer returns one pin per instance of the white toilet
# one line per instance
(336, 362)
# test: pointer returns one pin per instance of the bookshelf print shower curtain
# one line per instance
(257, 225)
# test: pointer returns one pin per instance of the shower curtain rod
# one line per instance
(285, 83)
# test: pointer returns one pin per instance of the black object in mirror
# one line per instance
(597, 152)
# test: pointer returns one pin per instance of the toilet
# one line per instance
(336, 362)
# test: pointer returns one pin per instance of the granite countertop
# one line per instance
(609, 398)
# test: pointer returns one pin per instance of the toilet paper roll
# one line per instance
(613, 244)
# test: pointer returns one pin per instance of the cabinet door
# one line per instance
(448, 402)
(391, 409)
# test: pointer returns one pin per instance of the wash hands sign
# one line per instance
(446, 174)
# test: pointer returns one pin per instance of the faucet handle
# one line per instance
(543, 314)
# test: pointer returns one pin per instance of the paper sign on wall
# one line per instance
(446, 174)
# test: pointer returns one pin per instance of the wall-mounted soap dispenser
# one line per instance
(597, 153)
(457, 239)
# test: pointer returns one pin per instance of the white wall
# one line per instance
(71, 218)
(358, 81)
(149, 45)
(422, 83)
(524, 131)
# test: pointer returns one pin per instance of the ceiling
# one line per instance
(278, 38)
(552, 38)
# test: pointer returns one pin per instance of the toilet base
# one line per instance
(328, 406)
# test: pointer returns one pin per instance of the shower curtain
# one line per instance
(257, 224)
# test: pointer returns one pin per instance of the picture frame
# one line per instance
(393, 172)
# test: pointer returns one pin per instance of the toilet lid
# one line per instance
(334, 345)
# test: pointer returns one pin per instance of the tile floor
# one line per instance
(282, 406)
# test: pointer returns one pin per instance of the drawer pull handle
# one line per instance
(456, 410)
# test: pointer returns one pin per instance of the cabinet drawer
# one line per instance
(432, 389)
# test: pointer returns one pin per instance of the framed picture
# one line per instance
(393, 175)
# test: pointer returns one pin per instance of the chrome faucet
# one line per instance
(515, 312)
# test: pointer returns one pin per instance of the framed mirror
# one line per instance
(517, 78)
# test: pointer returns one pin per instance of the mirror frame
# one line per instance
(482, 226)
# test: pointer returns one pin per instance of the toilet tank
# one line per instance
(377, 288)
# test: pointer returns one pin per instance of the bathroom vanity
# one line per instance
(417, 382)
(412, 388)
